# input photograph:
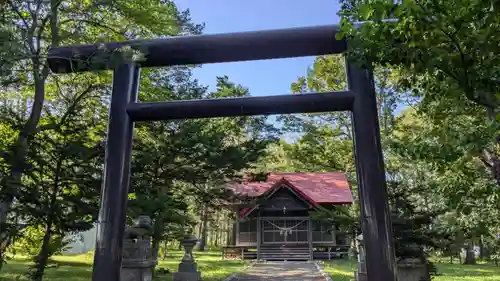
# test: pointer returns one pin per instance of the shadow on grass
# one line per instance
(210, 253)
(452, 272)
(79, 268)
(343, 270)
(17, 271)
(71, 263)
(339, 269)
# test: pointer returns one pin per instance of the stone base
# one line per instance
(412, 270)
(136, 274)
(188, 266)
(407, 271)
(187, 276)
(360, 276)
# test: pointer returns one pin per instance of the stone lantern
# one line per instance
(188, 270)
(139, 259)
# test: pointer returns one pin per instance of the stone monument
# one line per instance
(139, 259)
(188, 270)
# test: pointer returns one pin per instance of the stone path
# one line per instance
(281, 271)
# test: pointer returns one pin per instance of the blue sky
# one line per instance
(268, 77)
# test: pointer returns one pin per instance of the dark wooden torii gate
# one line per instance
(125, 109)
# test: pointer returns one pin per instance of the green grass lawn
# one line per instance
(342, 270)
(79, 268)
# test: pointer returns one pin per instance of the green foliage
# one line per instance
(428, 38)
(452, 179)
(468, 186)
(410, 225)
(344, 219)
(324, 141)
(444, 56)
(29, 243)
(62, 184)
(53, 126)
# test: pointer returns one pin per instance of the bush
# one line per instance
(29, 242)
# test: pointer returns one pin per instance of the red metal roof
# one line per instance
(321, 187)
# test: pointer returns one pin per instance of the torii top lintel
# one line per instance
(199, 49)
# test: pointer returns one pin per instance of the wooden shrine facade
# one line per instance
(277, 220)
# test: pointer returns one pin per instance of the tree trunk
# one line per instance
(18, 158)
(470, 256)
(200, 225)
(233, 233)
(210, 238)
(42, 258)
(155, 244)
(484, 252)
(216, 240)
(204, 229)
(495, 169)
(218, 230)
(164, 256)
(11, 184)
(228, 232)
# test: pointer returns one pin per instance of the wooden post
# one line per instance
(116, 177)
(309, 238)
(334, 236)
(259, 238)
(372, 188)
(233, 232)
(237, 241)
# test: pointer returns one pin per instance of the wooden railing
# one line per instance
(238, 252)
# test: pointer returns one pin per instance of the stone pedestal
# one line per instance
(139, 259)
(188, 270)
(412, 270)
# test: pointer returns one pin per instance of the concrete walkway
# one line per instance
(282, 271)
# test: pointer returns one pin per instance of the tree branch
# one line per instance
(41, 28)
(484, 157)
(16, 10)
(96, 24)
(76, 101)
(469, 90)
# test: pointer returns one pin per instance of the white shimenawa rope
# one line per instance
(285, 230)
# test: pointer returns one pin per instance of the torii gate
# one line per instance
(125, 109)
